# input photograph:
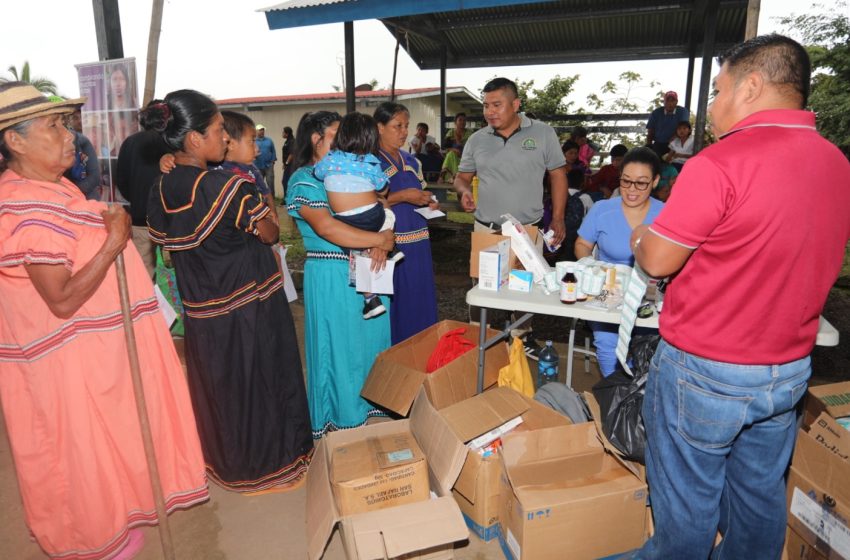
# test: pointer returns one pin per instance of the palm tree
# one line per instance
(41, 84)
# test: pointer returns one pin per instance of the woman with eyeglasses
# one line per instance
(608, 226)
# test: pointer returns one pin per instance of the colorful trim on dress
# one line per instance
(331, 427)
(36, 257)
(20, 208)
(300, 201)
(71, 329)
(173, 502)
(207, 223)
(290, 473)
(239, 298)
(327, 255)
(393, 168)
(412, 236)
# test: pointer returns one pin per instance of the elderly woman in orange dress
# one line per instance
(65, 386)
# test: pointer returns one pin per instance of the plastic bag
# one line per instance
(516, 374)
(167, 282)
(450, 346)
(620, 399)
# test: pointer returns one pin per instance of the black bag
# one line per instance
(620, 399)
(574, 215)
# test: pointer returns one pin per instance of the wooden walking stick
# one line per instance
(141, 409)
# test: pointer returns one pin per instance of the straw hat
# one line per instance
(20, 102)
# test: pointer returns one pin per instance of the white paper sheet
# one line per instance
(375, 282)
(168, 312)
(288, 285)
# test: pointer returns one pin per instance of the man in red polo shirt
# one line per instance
(752, 263)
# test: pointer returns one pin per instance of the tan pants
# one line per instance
(145, 247)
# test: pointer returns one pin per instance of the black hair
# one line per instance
(288, 130)
(646, 156)
(148, 120)
(236, 123)
(579, 132)
(386, 111)
(684, 123)
(130, 93)
(782, 61)
(660, 149)
(575, 178)
(569, 145)
(460, 114)
(181, 112)
(501, 83)
(357, 134)
(423, 125)
(618, 150)
(311, 123)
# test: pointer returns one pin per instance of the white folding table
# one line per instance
(537, 301)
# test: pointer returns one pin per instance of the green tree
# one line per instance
(622, 97)
(826, 35)
(551, 99)
(41, 84)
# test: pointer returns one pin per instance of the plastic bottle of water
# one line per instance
(547, 365)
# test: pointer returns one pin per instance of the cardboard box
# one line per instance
(482, 239)
(560, 485)
(526, 250)
(424, 529)
(378, 472)
(493, 266)
(520, 280)
(819, 479)
(478, 488)
(798, 549)
(399, 372)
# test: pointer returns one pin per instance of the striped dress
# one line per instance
(66, 388)
(241, 349)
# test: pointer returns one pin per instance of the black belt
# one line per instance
(494, 225)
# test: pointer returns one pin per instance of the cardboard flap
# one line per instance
(831, 435)
(445, 453)
(467, 481)
(823, 466)
(392, 385)
(322, 514)
(595, 411)
(394, 532)
(480, 414)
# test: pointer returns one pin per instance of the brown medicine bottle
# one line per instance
(569, 287)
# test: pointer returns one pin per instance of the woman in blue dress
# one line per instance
(609, 226)
(414, 303)
(340, 344)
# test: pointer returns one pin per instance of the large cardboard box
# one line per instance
(565, 496)
(478, 488)
(798, 549)
(378, 472)
(482, 240)
(819, 479)
(399, 372)
(424, 529)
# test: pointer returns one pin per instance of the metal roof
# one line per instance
(480, 33)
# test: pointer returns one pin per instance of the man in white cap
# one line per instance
(267, 156)
(662, 123)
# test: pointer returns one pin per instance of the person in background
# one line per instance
(681, 146)
(603, 183)
(242, 357)
(720, 407)
(453, 145)
(419, 141)
(661, 126)
(570, 150)
(585, 150)
(668, 173)
(266, 157)
(66, 386)
(287, 156)
(85, 172)
(340, 346)
(414, 303)
(136, 171)
(608, 226)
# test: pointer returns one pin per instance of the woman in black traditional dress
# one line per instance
(241, 351)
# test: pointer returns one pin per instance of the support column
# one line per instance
(107, 27)
(349, 66)
(690, 81)
(753, 10)
(443, 63)
(705, 75)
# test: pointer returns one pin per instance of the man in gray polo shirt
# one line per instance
(510, 157)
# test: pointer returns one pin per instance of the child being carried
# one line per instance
(353, 179)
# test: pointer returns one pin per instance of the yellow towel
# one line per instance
(516, 374)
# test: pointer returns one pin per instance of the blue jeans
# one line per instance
(719, 439)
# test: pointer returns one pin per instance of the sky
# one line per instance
(224, 48)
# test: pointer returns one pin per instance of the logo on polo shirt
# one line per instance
(529, 144)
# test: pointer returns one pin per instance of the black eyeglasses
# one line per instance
(639, 185)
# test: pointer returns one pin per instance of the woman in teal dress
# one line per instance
(340, 344)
